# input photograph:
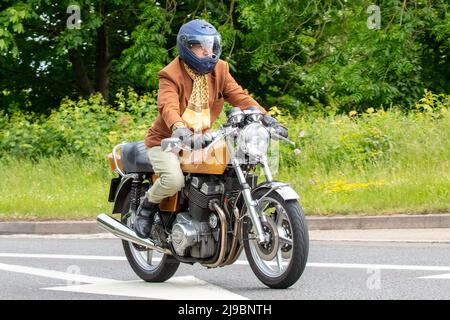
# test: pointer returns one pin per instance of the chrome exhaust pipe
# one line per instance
(120, 230)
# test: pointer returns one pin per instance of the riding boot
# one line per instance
(144, 218)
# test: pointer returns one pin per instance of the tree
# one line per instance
(46, 57)
(298, 55)
(305, 54)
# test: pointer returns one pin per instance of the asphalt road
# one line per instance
(95, 268)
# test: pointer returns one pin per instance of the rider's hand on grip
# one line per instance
(182, 133)
(198, 141)
(192, 140)
(279, 128)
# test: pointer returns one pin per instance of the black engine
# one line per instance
(195, 232)
(201, 192)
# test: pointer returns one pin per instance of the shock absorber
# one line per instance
(135, 192)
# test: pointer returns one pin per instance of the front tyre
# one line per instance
(280, 262)
(149, 265)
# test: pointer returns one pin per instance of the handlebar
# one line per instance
(273, 134)
(176, 145)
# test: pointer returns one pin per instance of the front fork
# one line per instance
(251, 204)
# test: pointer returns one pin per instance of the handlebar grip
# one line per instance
(276, 135)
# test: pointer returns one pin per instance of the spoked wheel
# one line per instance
(149, 265)
(280, 261)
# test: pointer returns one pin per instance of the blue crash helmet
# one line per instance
(203, 37)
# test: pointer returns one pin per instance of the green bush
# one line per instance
(370, 138)
(378, 161)
(90, 128)
(86, 127)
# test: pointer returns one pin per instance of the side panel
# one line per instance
(169, 204)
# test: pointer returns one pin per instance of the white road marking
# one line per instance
(438, 276)
(176, 288)
(365, 266)
(382, 240)
(60, 236)
(379, 266)
(239, 262)
(53, 274)
(61, 256)
(425, 235)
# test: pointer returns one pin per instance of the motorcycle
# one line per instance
(221, 211)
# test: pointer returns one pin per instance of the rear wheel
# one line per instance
(279, 262)
(149, 265)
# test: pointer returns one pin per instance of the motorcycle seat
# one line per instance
(134, 158)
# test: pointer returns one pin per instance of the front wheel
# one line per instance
(279, 262)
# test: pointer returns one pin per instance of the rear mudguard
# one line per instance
(122, 192)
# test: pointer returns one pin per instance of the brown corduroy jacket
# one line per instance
(175, 87)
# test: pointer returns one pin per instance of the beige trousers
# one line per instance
(171, 179)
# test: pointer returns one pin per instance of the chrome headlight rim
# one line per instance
(254, 139)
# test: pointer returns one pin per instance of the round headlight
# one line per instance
(254, 139)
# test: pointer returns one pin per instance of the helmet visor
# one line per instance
(204, 46)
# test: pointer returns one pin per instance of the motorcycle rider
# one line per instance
(191, 93)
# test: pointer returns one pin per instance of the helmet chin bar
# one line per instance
(204, 65)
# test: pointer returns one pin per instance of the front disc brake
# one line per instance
(268, 250)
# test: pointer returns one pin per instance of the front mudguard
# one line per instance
(283, 189)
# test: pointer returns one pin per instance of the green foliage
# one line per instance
(119, 44)
(321, 54)
(86, 127)
(147, 54)
(11, 22)
(66, 187)
(371, 138)
(372, 162)
(434, 104)
(313, 56)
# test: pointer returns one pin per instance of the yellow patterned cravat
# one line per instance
(197, 116)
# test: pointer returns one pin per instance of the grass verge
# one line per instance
(377, 163)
